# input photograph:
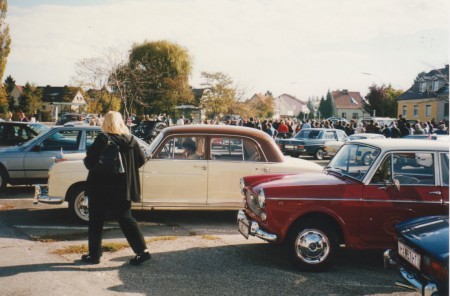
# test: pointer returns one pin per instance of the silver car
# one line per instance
(29, 163)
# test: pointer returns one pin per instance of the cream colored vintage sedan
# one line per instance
(205, 180)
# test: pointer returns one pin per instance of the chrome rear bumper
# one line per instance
(254, 229)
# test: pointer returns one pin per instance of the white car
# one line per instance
(332, 147)
(169, 180)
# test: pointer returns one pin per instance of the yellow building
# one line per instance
(427, 99)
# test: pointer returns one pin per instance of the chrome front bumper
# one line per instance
(412, 282)
(253, 228)
(41, 195)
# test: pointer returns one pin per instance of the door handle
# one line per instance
(435, 193)
(203, 167)
(266, 169)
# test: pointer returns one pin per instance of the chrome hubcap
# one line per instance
(312, 246)
(82, 207)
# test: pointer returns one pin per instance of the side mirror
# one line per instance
(36, 148)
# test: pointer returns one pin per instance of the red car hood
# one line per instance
(307, 184)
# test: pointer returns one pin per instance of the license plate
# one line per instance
(244, 228)
(289, 147)
(409, 255)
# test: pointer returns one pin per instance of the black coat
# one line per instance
(121, 186)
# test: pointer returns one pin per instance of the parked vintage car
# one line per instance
(332, 147)
(355, 201)
(171, 180)
(16, 132)
(29, 163)
(310, 141)
(147, 130)
(421, 256)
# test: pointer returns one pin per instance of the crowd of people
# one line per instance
(288, 127)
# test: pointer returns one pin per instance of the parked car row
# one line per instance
(361, 199)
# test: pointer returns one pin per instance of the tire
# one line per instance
(78, 205)
(312, 246)
(319, 155)
(3, 179)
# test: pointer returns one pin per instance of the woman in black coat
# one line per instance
(112, 194)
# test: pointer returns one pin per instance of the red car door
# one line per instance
(404, 186)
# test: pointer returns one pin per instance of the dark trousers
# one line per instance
(121, 212)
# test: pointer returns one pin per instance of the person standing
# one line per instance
(22, 116)
(112, 194)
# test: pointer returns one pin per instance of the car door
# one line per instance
(172, 179)
(385, 204)
(237, 157)
(38, 159)
(444, 164)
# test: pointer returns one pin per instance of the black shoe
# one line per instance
(139, 259)
(89, 259)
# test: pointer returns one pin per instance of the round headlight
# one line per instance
(242, 185)
(262, 199)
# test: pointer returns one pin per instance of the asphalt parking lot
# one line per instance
(194, 253)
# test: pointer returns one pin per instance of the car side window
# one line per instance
(183, 148)
(341, 135)
(383, 173)
(68, 140)
(444, 169)
(414, 168)
(90, 137)
(227, 149)
(329, 136)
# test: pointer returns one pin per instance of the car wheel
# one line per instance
(312, 246)
(3, 179)
(78, 205)
(319, 154)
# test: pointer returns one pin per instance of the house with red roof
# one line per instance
(348, 104)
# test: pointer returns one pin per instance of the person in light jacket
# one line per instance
(111, 195)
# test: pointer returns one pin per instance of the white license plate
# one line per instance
(289, 146)
(409, 255)
(244, 228)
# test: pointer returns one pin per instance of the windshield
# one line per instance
(39, 128)
(353, 160)
(308, 134)
(33, 141)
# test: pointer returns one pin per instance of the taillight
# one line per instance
(434, 268)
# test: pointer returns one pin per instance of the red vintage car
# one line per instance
(365, 190)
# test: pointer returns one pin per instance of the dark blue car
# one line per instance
(422, 255)
(310, 141)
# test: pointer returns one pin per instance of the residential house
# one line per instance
(61, 99)
(348, 104)
(427, 98)
(16, 93)
(289, 106)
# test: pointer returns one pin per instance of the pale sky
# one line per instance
(299, 47)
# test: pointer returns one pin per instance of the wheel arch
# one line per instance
(323, 218)
(70, 194)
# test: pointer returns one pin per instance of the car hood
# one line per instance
(311, 182)
(430, 234)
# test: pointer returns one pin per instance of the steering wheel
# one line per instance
(405, 180)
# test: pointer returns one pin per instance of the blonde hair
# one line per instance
(114, 124)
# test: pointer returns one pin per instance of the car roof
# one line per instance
(402, 144)
(69, 127)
